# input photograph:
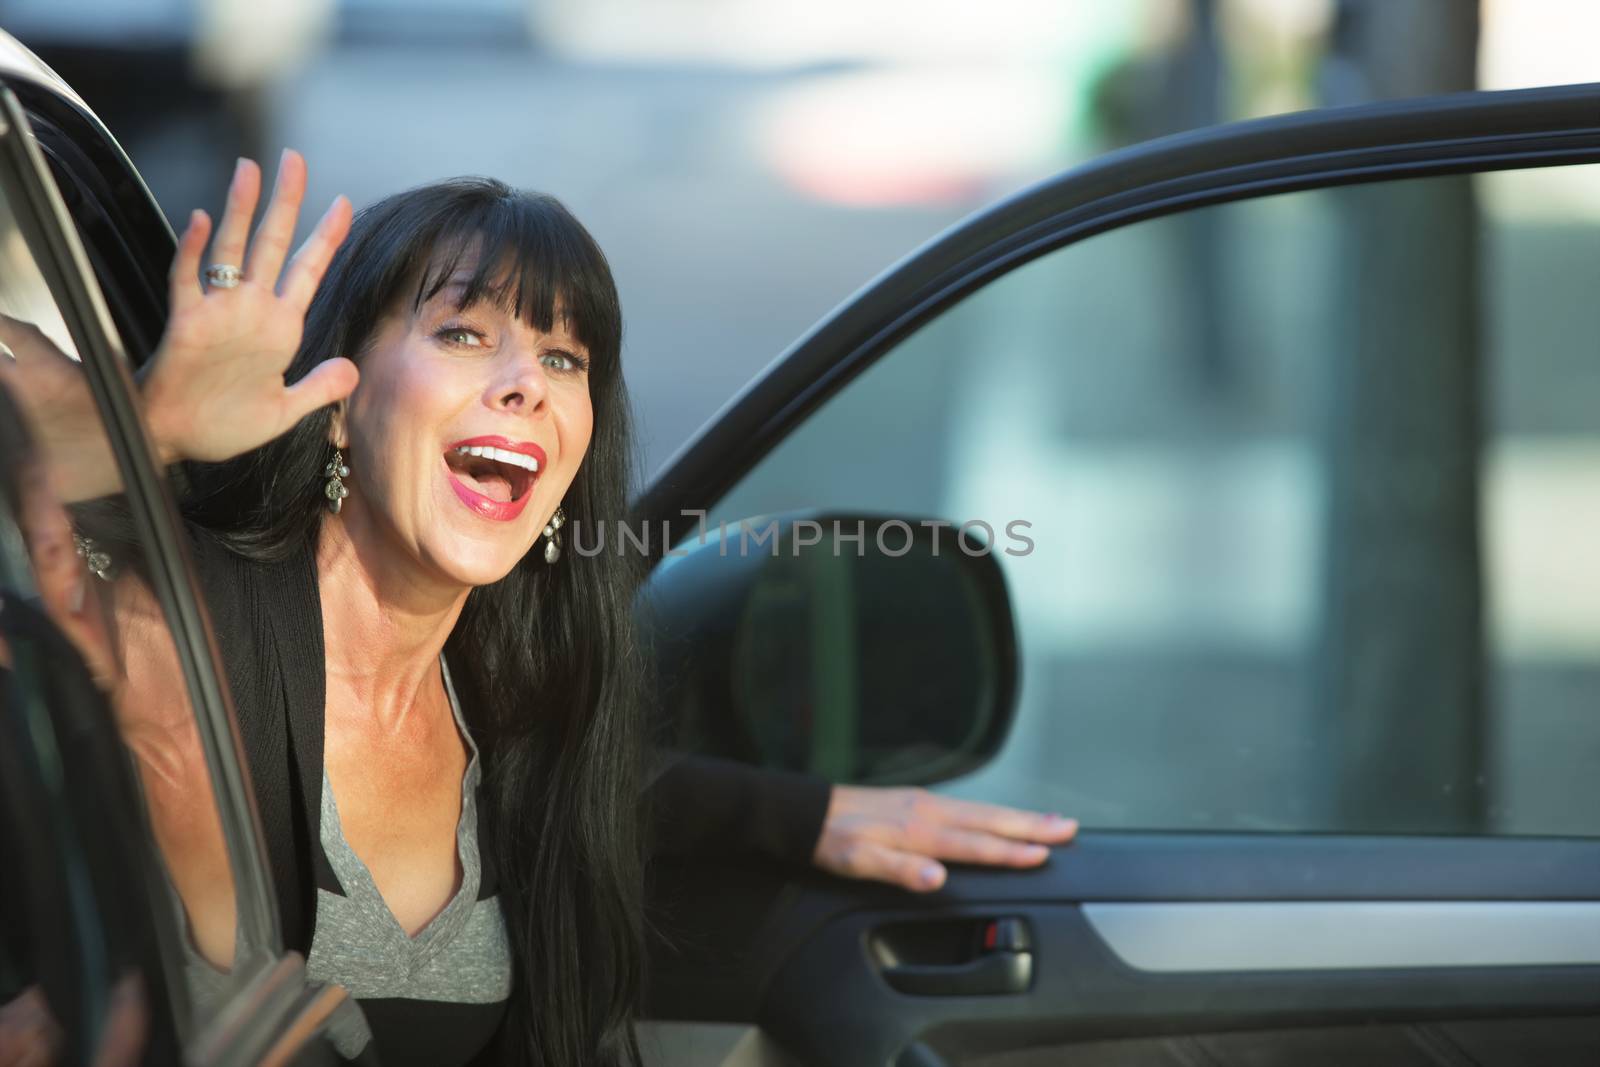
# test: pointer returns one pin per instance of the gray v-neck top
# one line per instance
(268, 623)
(461, 957)
(424, 999)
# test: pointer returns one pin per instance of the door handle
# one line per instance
(1002, 964)
(992, 974)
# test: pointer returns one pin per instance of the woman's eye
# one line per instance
(565, 361)
(460, 335)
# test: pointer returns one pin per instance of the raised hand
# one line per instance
(215, 388)
(898, 835)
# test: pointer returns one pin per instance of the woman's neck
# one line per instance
(384, 625)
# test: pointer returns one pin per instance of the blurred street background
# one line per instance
(746, 164)
(1227, 586)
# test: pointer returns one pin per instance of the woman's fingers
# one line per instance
(885, 863)
(975, 846)
(1006, 822)
(894, 834)
(305, 271)
(216, 387)
(331, 380)
(234, 230)
(184, 278)
(268, 249)
(272, 238)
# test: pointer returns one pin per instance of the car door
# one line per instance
(1301, 420)
(98, 956)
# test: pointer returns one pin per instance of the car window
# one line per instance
(81, 941)
(1296, 499)
(83, 566)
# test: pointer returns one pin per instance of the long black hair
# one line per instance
(545, 659)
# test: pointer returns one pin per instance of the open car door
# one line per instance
(96, 961)
(1300, 418)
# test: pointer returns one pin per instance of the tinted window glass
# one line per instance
(76, 563)
(1312, 482)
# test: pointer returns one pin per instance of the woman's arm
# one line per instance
(705, 806)
(214, 388)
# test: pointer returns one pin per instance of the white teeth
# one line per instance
(516, 458)
(500, 455)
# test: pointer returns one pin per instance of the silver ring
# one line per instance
(223, 275)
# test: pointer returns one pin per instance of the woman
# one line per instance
(442, 713)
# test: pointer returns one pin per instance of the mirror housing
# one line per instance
(866, 649)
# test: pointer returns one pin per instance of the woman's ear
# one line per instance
(338, 434)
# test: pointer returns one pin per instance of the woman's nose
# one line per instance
(523, 388)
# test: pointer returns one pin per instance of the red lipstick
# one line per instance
(485, 506)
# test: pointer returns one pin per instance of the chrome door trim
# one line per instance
(1244, 936)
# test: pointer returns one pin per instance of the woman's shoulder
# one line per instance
(255, 603)
(220, 564)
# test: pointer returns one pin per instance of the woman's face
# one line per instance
(438, 382)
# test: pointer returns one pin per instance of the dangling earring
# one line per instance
(335, 490)
(552, 536)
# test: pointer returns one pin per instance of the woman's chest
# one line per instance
(399, 809)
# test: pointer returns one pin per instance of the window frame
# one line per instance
(274, 1009)
(1459, 133)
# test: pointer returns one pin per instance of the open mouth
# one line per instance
(502, 476)
(491, 480)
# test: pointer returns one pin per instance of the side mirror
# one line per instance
(862, 648)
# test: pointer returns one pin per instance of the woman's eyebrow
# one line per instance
(563, 329)
(451, 294)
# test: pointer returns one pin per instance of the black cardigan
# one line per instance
(268, 624)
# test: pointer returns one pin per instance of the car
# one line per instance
(1224, 492)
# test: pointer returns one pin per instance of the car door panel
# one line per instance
(1147, 947)
(808, 956)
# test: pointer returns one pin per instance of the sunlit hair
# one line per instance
(545, 659)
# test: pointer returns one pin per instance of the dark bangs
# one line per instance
(527, 254)
(529, 257)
